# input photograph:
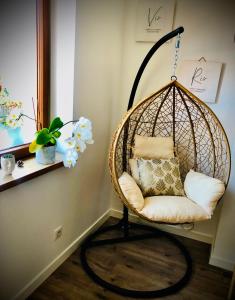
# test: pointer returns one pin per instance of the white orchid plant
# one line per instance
(74, 145)
(11, 116)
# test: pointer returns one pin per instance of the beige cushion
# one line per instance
(204, 190)
(153, 147)
(173, 209)
(131, 191)
(157, 176)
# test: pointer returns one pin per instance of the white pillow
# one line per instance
(173, 209)
(131, 191)
(153, 147)
(204, 190)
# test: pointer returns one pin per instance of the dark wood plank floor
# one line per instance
(148, 264)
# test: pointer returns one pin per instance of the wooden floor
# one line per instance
(149, 264)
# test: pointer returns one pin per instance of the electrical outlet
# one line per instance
(58, 232)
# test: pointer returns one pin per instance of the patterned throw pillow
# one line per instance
(157, 176)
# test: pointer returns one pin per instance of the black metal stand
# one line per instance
(124, 226)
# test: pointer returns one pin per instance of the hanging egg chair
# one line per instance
(199, 144)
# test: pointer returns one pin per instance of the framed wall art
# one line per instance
(201, 77)
(154, 18)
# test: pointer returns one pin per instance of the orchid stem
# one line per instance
(73, 121)
(23, 115)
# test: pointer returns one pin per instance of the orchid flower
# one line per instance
(73, 143)
(80, 145)
(70, 158)
(84, 123)
(83, 131)
(83, 134)
(70, 143)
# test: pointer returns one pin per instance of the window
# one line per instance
(24, 72)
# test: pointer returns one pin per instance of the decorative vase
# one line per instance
(46, 155)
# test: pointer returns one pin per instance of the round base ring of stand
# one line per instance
(91, 242)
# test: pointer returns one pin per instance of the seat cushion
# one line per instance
(173, 209)
(131, 191)
(204, 190)
(153, 147)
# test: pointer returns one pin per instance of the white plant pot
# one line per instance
(7, 164)
(46, 155)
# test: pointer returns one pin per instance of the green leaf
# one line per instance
(43, 137)
(55, 124)
(36, 133)
(53, 141)
(34, 147)
(56, 134)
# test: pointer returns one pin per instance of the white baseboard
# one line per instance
(221, 263)
(192, 234)
(50, 268)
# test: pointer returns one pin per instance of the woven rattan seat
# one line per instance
(199, 139)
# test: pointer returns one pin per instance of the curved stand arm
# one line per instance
(158, 44)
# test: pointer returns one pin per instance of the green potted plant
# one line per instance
(44, 144)
(45, 141)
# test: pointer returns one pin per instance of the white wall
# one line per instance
(73, 198)
(98, 60)
(63, 28)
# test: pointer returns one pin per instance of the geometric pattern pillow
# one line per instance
(157, 176)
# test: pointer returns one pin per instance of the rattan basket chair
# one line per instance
(200, 143)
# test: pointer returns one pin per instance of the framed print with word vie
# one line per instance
(154, 18)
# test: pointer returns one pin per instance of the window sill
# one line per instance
(30, 170)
